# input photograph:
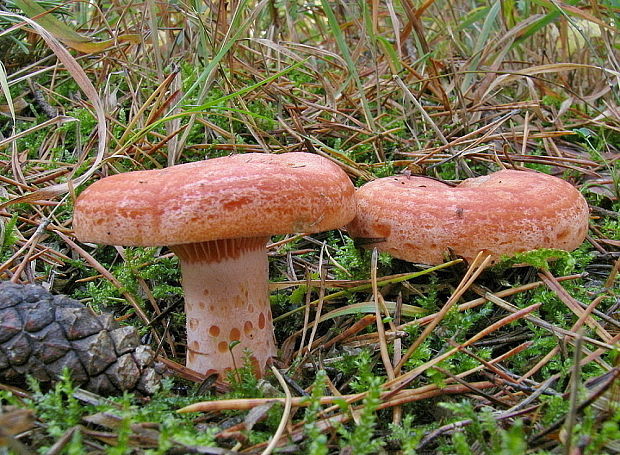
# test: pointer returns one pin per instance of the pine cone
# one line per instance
(41, 333)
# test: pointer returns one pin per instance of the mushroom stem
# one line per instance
(226, 300)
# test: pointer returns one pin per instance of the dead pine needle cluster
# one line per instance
(375, 352)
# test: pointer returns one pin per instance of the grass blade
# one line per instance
(483, 38)
(351, 66)
(4, 85)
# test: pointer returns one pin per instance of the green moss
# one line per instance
(361, 439)
(316, 441)
(564, 262)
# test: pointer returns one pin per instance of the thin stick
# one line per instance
(385, 356)
(574, 396)
(319, 309)
(472, 274)
(544, 324)
(477, 302)
(613, 274)
(556, 349)
(304, 330)
(285, 415)
(405, 379)
(249, 403)
(421, 109)
(572, 304)
(363, 287)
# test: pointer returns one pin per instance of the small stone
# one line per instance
(4, 360)
(124, 373)
(125, 339)
(160, 368)
(96, 352)
(144, 356)
(35, 368)
(36, 315)
(33, 293)
(77, 322)
(149, 382)
(101, 384)
(52, 343)
(267, 389)
(72, 362)
(17, 349)
(62, 301)
(10, 324)
(10, 295)
(107, 321)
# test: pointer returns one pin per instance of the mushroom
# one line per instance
(216, 216)
(419, 219)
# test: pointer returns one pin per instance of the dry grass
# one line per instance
(450, 89)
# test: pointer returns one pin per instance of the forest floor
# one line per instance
(506, 360)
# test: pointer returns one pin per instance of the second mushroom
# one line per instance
(419, 219)
(216, 216)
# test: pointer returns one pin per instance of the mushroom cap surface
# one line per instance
(419, 219)
(247, 195)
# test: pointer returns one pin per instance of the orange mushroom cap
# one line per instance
(250, 195)
(419, 219)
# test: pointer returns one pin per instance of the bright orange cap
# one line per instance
(419, 219)
(247, 195)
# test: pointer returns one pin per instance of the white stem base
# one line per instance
(226, 301)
